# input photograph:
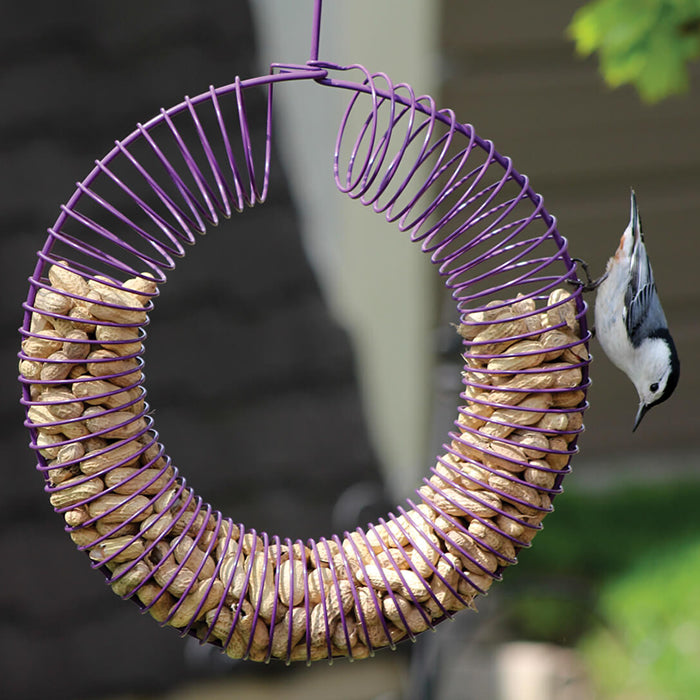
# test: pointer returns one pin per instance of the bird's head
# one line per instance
(657, 373)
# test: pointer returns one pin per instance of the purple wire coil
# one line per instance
(125, 504)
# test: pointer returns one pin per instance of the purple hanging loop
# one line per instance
(525, 373)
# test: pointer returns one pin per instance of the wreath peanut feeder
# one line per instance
(126, 505)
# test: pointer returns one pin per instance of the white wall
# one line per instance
(379, 286)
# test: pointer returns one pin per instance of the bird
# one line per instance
(630, 323)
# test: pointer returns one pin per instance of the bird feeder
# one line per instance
(131, 510)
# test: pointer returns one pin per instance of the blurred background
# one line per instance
(336, 377)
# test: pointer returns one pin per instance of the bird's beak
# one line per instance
(635, 223)
(643, 408)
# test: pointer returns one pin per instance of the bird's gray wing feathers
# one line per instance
(643, 310)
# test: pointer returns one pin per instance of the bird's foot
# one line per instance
(590, 284)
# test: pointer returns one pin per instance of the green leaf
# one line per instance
(664, 70)
(646, 43)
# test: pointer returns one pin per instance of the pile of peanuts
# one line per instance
(257, 597)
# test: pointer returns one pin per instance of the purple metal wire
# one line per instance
(229, 583)
(482, 225)
(316, 30)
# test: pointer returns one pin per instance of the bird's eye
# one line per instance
(654, 387)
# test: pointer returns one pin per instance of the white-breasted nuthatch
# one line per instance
(630, 323)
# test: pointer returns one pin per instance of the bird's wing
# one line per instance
(640, 295)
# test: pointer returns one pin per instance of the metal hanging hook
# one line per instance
(316, 30)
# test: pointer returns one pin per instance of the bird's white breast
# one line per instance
(610, 313)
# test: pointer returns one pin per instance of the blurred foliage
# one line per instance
(650, 644)
(595, 536)
(592, 541)
(646, 43)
